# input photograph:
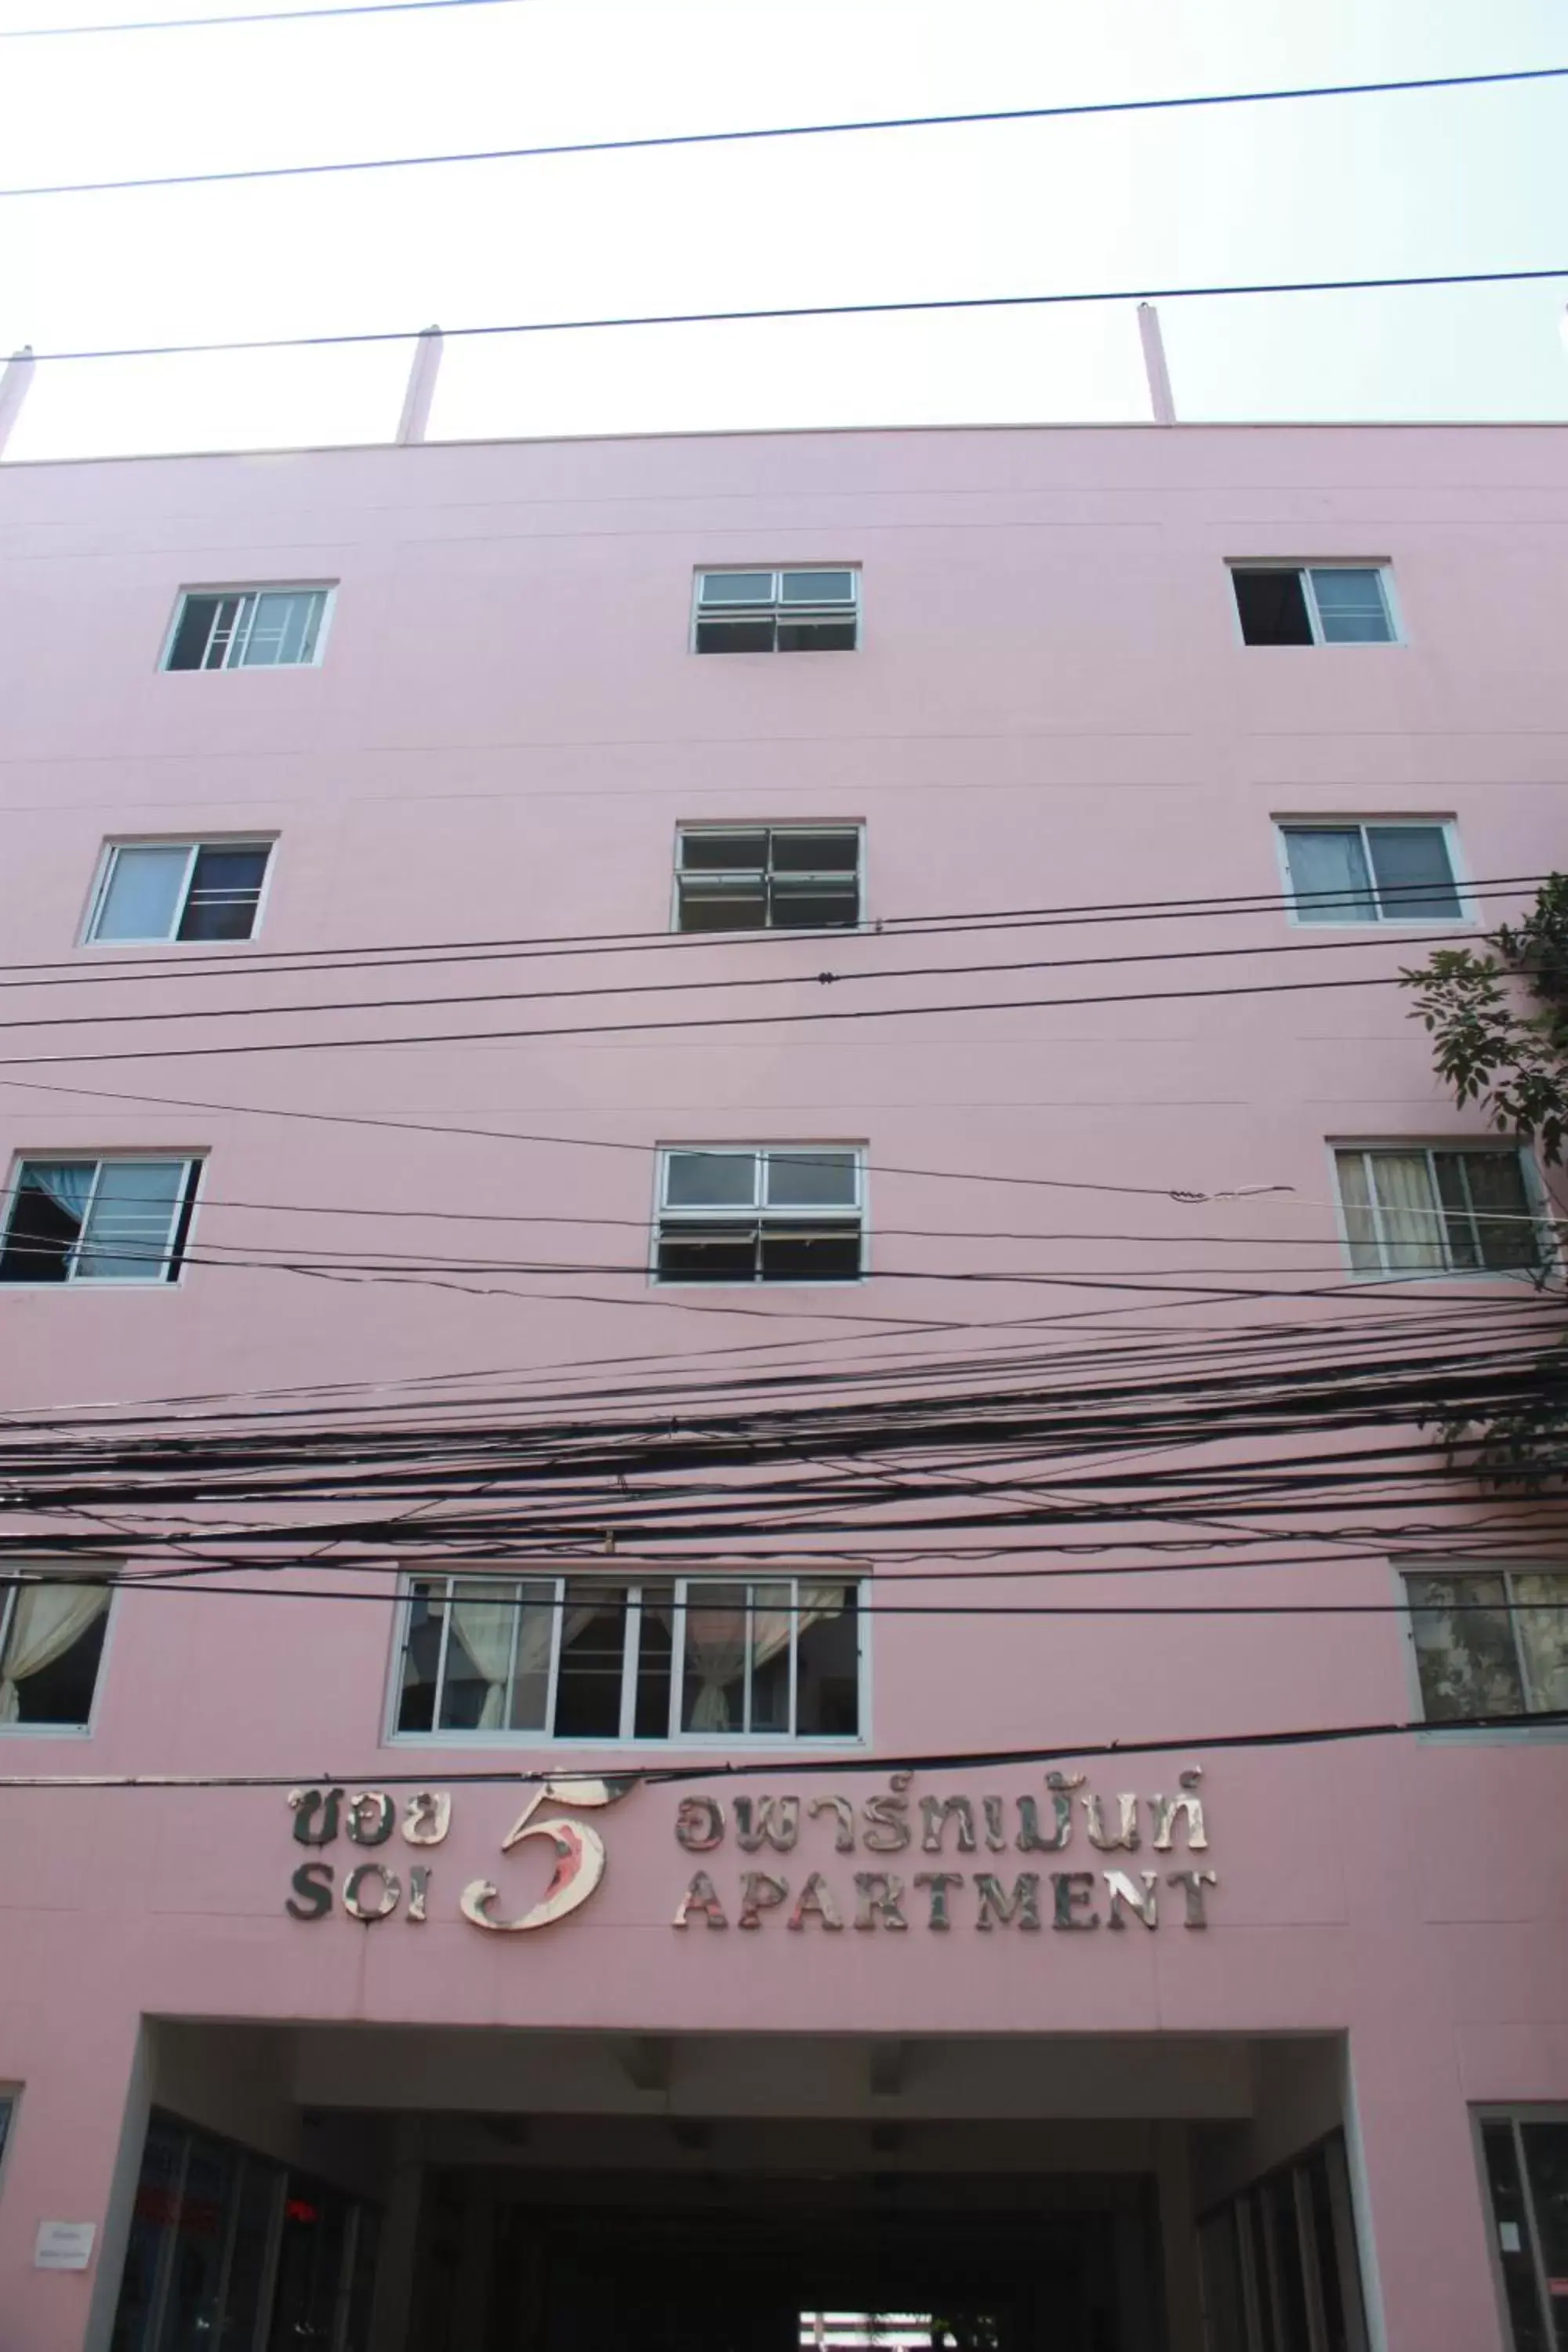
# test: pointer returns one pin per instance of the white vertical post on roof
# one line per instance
(422, 371)
(18, 373)
(1154, 367)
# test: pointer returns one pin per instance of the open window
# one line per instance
(150, 890)
(795, 611)
(581, 1657)
(249, 628)
(787, 878)
(120, 1220)
(1313, 604)
(51, 1645)
(776, 1212)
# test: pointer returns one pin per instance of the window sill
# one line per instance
(1523, 1734)
(46, 1731)
(179, 947)
(756, 1746)
(103, 1283)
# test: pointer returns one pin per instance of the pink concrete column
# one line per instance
(66, 2162)
(1420, 2203)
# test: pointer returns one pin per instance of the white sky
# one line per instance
(1348, 187)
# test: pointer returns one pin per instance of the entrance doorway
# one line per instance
(840, 2264)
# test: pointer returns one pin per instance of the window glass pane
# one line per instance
(421, 1658)
(1541, 1625)
(827, 1663)
(713, 1682)
(724, 853)
(1224, 2315)
(536, 1615)
(1355, 1200)
(1411, 1228)
(655, 1662)
(707, 904)
(283, 628)
(1415, 877)
(478, 1656)
(44, 1221)
(1325, 2254)
(1511, 2239)
(1328, 874)
(593, 1661)
(254, 2209)
(1504, 1234)
(142, 898)
(816, 906)
(819, 588)
(1273, 608)
(1459, 1225)
(190, 636)
(802, 1179)
(54, 1641)
(704, 1179)
(810, 1254)
(708, 1253)
(737, 588)
(1465, 1654)
(1290, 2276)
(1350, 607)
(154, 2217)
(225, 884)
(310, 2265)
(735, 636)
(772, 1632)
(195, 2261)
(1255, 2240)
(815, 853)
(130, 1222)
(362, 2285)
(1546, 2176)
(816, 636)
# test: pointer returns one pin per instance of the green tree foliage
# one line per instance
(1498, 1022)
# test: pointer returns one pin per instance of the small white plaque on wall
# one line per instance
(64, 2245)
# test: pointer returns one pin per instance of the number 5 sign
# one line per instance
(579, 1856)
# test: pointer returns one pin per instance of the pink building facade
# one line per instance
(425, 1106)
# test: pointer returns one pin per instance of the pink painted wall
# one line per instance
(1051, 705)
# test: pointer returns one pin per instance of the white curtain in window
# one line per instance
(716, 1655)
(47, 1621)
(1541, 1623)
(771, 1626)
(1407, 1206)
(484, 1627)
(68, 1184)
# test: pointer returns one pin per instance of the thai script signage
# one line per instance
(841, 1879)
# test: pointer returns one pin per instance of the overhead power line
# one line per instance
(106, 962)
(988, 116)
(927, 305)
(1375, 936)
(252, 16)
(974, 1759)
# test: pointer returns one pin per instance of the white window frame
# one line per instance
(108, 857)
(162, 1279)
(1551, 1258)
(745, 1574)
(1304, 569)
(776, 603)
(1526, 1726)
(1449, 827)
(857, 825)
(695, 1214)
(1514, 2112)
(35, 1570)
(326, 589)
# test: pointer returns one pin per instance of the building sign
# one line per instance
(883, 1863)
(64, 2245)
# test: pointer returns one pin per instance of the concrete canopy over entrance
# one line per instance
(547, 2191)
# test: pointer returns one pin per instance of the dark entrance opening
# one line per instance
(876, 2263)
